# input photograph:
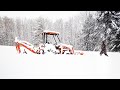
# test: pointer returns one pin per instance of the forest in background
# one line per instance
(84, 31)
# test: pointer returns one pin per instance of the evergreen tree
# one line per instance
(38, 29)
(9, 31)
(88, 32)
(2, 32)
(111, 21)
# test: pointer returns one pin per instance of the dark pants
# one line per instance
(103, 52)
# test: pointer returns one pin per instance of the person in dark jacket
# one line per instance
(103, 48)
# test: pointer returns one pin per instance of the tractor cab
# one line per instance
(50, 37)
(52, 43)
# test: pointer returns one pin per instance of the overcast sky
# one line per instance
(53, 15)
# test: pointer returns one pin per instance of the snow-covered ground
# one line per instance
(31, 66)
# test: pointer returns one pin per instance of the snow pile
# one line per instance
(33, 66)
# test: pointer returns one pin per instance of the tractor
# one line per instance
(51, 44)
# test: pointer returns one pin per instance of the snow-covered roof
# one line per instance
(50, 32)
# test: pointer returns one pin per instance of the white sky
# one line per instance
(53, 15)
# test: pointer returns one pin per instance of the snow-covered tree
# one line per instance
(2, 32)
(91, 34)
(38, 29)
(67, 32)
(9, 30)
(58, 26)
(18, 28)
(111, 21)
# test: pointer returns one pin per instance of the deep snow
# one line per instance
(31, 66)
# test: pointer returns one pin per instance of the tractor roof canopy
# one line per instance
(51, 32)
